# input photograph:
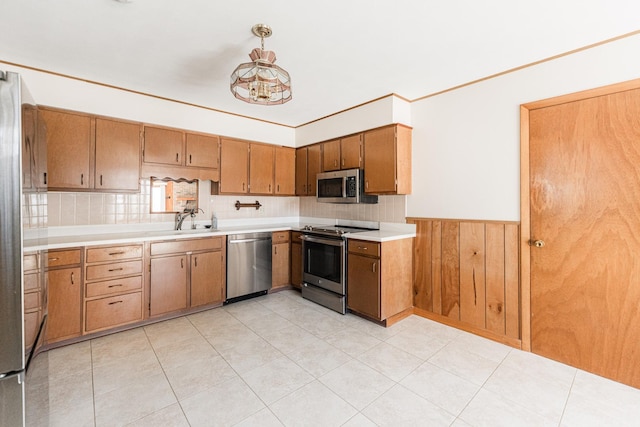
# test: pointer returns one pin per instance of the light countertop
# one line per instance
(101, 237)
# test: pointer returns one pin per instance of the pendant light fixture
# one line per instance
(261, 81)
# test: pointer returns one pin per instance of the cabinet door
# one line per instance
(68, 149)
(164, 146)
(234, 163)
(65, 304)
(202, 151)
(331, 155)
(351, 152)
(363, 292)
(380, 161)
(280, 265)
(261, 169)
(301, 171)
(313, 167)
(29, 170)
(285, 171)
(296, 263)
(168, 284)
(117, 155)
(206, 278)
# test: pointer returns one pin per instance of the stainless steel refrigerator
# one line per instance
(14, 356)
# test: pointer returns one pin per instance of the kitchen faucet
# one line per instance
(181, 216)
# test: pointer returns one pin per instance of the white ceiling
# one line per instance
(340, 53)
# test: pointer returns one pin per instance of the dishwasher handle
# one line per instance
(249, 240)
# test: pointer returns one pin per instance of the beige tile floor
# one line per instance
(281, 360)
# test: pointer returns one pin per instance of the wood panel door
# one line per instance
(281, 265)
(301, 171)
(331, 155)
(117, 155)
(261, 169)
(351, 151)
(314, 160)
(64, 318)
(206, 278)
(202, 151)
(69, 139)
(168, 284)
(584, 158)
(234, 166)
(285, 171)
(163, 146)
(380, 158)
(363, 292)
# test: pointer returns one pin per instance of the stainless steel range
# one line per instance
(324, 263)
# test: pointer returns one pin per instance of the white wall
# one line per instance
(466, 143)
(390, 109)
(61, 92)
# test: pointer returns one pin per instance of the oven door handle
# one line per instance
(314, 239)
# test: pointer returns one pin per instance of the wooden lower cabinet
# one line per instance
(168, 284)
(186, 273)
(33, 298)
(64, 282)
(113, 286)
(207, 280)
(379, 278)
(296, 259)
(280, 260)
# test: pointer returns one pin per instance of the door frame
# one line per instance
(525, 191)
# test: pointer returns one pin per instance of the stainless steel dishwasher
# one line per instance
(248, 265)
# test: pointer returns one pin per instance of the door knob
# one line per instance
(537, 243)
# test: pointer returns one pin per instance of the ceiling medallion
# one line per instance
(261, 81)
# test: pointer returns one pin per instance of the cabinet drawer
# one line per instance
(364, 247)
(163, 248)
(59, 258)
(30, 262)
(116, 286)
(31, 301)
(113, 311)
(31, 281)
(114, 253)
(117, 269)
(280, 237)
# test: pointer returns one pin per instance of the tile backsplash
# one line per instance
(56, 209)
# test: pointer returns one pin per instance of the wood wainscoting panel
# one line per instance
(469, 273)
(472, 274)
(450, 266)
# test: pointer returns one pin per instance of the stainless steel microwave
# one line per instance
(345, 186)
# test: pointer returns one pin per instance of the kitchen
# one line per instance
(478, 162)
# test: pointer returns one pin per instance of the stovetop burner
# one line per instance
(333, 230)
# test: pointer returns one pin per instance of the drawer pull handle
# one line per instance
(115, 302)
(116, 269)
(114, 286)
(53, 259)
(116, 253)
(362, 248)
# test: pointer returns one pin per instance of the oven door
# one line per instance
(324, 263)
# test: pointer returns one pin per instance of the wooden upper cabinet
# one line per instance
(331, 160)
(202, 151)
(117, 155)
(234, 163)
(164, 146)
(314, 153)
(387, 160)
(69, 148)
(308, 165)
(285, 171)
(351, 152)
(301, 171)
(261, 169)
